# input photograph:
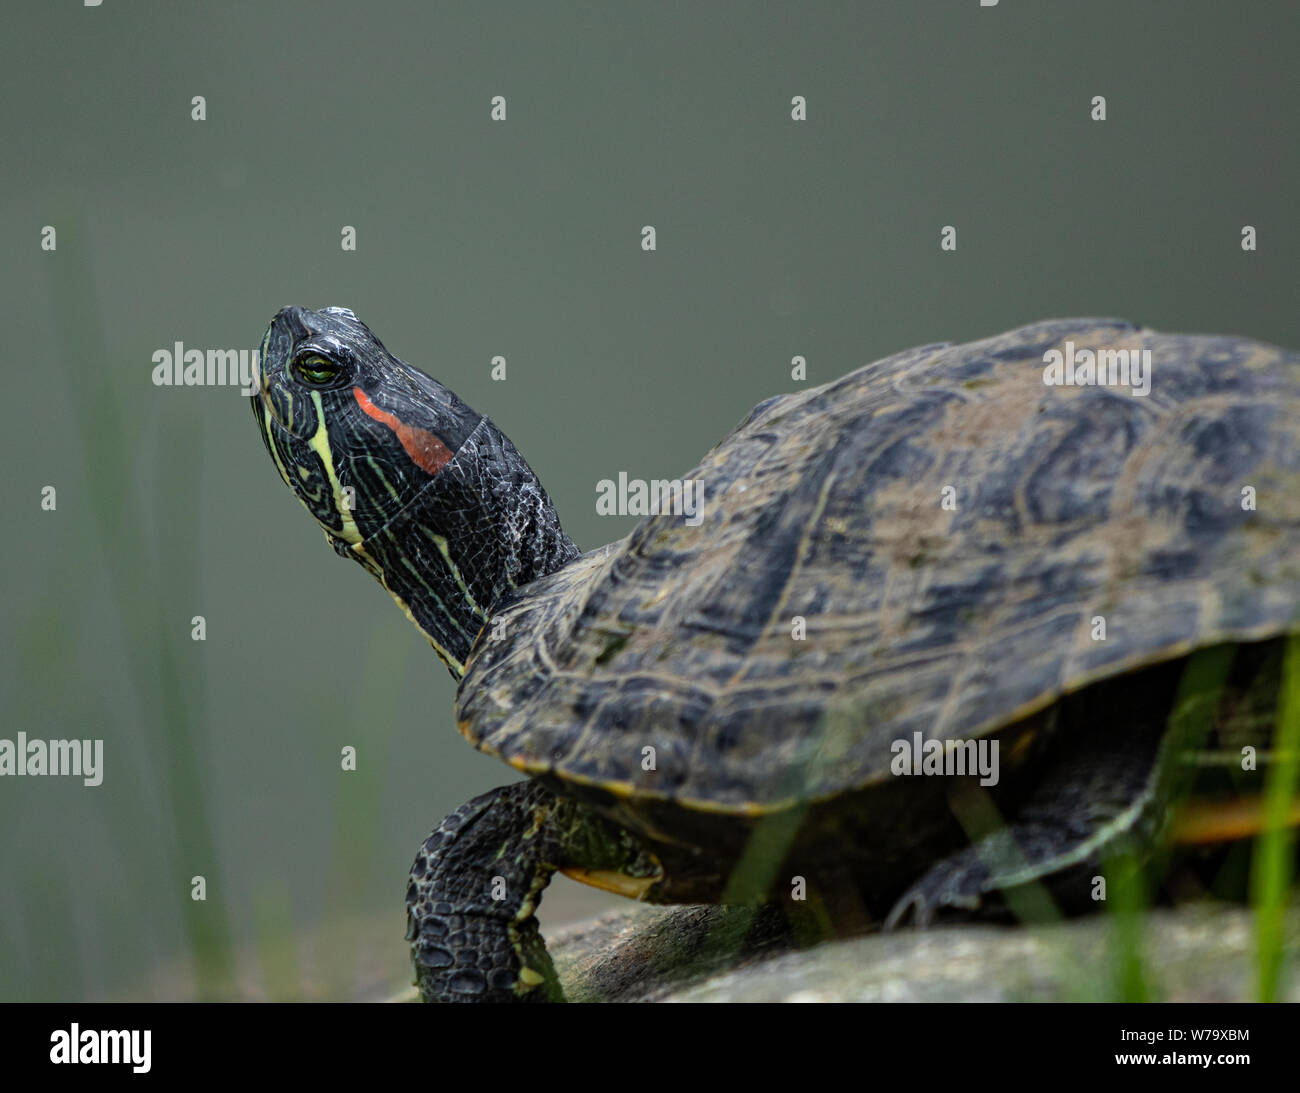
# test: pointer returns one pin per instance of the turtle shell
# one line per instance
(930, 544)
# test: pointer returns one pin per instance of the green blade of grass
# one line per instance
(1272, 864)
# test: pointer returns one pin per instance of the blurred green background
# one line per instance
(475, 238)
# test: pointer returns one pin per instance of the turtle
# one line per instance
(1030, 574)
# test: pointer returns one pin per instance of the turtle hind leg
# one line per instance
(476, 883)
(1106, 789)
(1092, 801)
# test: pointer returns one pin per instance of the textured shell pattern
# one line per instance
(1067, 503)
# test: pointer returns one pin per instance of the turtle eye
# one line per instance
(316, 370)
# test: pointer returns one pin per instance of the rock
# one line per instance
(691, 954)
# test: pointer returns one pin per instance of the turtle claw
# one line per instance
(911, 907)
(951, 885)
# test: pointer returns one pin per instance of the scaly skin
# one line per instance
(478, 879)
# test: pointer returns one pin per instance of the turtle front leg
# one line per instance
(478, 879)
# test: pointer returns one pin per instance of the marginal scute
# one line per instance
(1070, 503)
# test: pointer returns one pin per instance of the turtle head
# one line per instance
(402, 475)
(356, 433)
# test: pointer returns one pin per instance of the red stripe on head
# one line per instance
(426, 450)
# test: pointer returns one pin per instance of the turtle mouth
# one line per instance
(264, 415)
(272, 360)
(260, 398)
(277, 433)
(265, 424)
(265, 411)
